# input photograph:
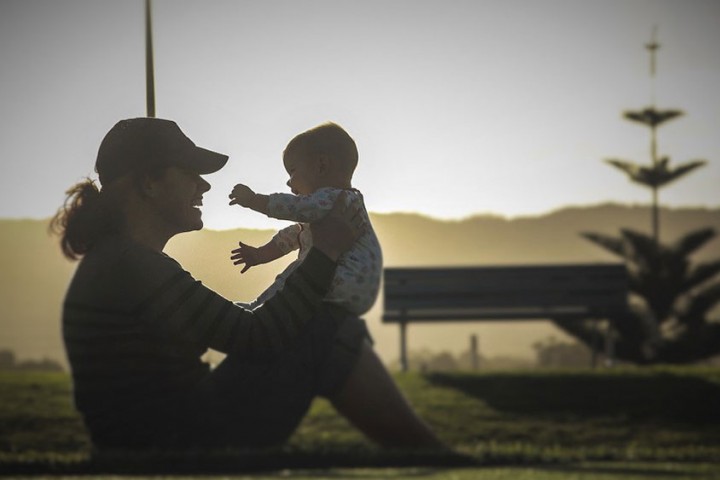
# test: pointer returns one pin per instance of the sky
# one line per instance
(458, 107)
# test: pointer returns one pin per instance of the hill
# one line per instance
(35, 275)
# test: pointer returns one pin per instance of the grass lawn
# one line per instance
(619, 423)
(584, 471)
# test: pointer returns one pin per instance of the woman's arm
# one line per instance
(180, 306)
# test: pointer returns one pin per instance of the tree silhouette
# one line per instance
(659, 173)
(671, 300)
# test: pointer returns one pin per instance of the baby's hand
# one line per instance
(241, 195)
(246, 254)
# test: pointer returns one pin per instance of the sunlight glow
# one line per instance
(457, 107)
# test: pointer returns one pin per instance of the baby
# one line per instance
(320, 163)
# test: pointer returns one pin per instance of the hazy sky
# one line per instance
(458, 107)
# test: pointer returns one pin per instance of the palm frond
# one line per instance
(693, 241)
(700, 274)
(641, 243)
(637, 173)
(652, 117)
(632, 169)
(672, 174)
(611, 244)
(653, 176)
(702, 303)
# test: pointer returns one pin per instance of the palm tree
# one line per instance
(672, 300)
(659, 173)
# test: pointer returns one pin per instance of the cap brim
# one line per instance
(205, 161)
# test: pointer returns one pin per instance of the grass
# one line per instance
(558, 424)
(585, 471)
(621, 414)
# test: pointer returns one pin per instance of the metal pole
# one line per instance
(609, 345)
(474, 352)
(403, 347)
(594, 346)
(149, 71)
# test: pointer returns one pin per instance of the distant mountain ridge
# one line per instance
(34, 274)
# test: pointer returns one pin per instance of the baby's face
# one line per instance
(303, 171)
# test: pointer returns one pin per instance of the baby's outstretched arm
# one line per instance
(251, 256)
(244, 196)
(282, 243)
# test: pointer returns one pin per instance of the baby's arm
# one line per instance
(286, 206)
(244, 196)
(284, 242)
(304, 208)
(251, 256)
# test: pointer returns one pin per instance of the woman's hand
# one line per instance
(336, 232)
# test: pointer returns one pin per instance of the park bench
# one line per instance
(538, 292)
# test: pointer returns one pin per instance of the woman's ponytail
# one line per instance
(86, 217)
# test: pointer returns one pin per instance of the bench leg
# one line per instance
(403, 347)
(609, 345)
(597, 343)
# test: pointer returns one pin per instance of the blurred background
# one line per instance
(482, 128)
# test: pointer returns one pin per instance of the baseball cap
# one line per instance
(144, 143)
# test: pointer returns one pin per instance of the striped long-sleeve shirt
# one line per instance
(135, 324)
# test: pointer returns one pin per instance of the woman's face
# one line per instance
(176, 197)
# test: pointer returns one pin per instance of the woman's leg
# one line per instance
(261, 403)
(372, 402)
(255, 403)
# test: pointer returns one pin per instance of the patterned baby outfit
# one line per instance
(357, 277)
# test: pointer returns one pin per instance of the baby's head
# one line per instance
(324, 156)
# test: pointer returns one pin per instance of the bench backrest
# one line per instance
(505, 292)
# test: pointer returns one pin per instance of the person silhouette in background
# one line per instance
(135, 323)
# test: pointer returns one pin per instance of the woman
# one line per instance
(135, 323)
